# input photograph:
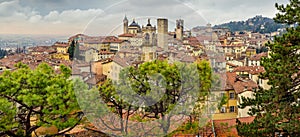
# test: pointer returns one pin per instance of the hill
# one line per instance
(255, 24)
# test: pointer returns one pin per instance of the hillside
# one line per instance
(255, 24)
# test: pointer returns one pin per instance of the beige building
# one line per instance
(244, 88)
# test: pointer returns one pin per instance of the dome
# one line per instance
(134, 24)
(149, 24)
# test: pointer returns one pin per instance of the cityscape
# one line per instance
(153, 76)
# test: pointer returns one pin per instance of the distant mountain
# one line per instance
(255, 24)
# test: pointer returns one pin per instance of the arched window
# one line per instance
(147, 36)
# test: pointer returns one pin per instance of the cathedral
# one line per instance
(152, 36)
(148, 32)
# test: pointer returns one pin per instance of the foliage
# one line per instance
(3, 53)
(40, 94)
(152, 91)
(261, 50)
(277, 109)
(73, 50)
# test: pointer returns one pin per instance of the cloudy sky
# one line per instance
(104, 17)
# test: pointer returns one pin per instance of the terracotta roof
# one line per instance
(105, 52)
(95, 79)
(230, 125)
(188, 59)
(230, 64)
(122, 62)
(254, 70)
(258, 57)
(245, 85)
(41, 49)
(126, 35)
(61, 44)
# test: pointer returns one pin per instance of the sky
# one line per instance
(104, 17)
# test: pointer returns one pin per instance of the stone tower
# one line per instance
(179, 29)
(162, 33)
(125, 23)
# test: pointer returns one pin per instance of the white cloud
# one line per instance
(14, 17)
(72, 16)
(8, 8)
(35, 18)
(64, 16)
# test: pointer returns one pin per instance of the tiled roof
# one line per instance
(245, 85)
(61, 44)
(230, 64)
(121, 61)
(258, 57)
(95, 79)
(188, 59)
(126, 35)
(230, 125)
(254, 70)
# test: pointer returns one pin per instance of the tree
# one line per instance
(277, 109)
(41, 96)
(152, 92)
(71, 50)
(3, 53)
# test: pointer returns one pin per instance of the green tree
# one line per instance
(40, 94)
(161, 86)
(277, 109)
(71, 50)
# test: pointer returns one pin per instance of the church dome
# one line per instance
(134, 24)
(149, 24)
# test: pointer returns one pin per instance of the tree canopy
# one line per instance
(30, 99)
(277, 109)
(154, 92)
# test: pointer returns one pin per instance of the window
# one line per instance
(231, 95)
(223, 110)
(222, 94)
(232, 109)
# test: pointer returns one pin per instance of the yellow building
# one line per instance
(61, 47)
(229, 109)
(250, 52)
(63, 56)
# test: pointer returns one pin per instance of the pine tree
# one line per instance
(277, 109)
(41, 95)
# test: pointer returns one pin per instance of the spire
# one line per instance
(125, 18)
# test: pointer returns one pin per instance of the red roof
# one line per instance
(258, 57)
(126, 35)
(254, 70)
(61, 44)
(229, 129)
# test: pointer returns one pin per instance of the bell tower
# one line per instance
(162, 33)
(179, 29)
(125, 23)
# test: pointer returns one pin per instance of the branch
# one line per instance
(10, 134)
(27, 124)
(116, 129)
(62, 133)
(21, 103)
